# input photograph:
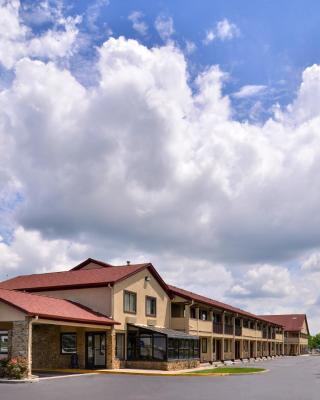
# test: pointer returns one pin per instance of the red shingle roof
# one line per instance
(52, 308)
(214, 303)
(69, 279)
(291, 322)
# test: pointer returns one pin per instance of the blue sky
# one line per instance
(276, 40)
(176, 132)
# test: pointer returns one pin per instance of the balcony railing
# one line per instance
(238, 331)
(265, 334)
(228, 329)
(218, 328)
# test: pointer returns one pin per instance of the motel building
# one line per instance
(101, 316)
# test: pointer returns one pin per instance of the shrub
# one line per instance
(16, 368)
(3, 364)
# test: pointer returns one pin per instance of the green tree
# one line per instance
(314, 341)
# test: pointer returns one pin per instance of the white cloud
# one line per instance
(164, 26)
(190, 47)
(312, 263)
(17, 40)
(224, 30)
(249, 91)
(137, 23)
(29, 251)
(263, 281)
(147, 162)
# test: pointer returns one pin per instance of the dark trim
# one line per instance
(68, 333)
(150, 298)
(136, 296)
(7, 335)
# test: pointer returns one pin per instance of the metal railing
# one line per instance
(228, 329)
(238, 330)
(217, 327)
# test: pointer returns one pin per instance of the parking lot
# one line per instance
(289, 378)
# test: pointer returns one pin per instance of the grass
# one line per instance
(226, 370)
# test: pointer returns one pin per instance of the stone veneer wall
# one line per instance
(163, 365)
(46, 349)
(20, 341)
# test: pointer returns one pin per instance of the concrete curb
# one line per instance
(17, 381)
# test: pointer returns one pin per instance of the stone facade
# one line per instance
(20, 337)
(163, 365)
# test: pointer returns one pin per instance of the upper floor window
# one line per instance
(192, 313)
(3, 342)
(151, 306)
(130, 302)
(203, 315)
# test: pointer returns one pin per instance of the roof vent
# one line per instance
(128, 262)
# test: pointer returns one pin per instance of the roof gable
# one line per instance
(291, 322)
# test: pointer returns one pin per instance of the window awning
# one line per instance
(170, 333)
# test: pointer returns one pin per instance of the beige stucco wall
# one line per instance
(304, 328)
(137, 284)
(96, 298)
(9, 313)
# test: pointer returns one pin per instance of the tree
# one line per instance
(314, 341)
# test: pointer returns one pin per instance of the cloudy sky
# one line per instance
(186, 135)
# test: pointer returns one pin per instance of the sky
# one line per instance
(179, 133)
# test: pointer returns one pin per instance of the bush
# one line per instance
(16, 368)
(3, 364)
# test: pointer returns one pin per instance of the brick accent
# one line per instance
(163, 365)
(112, 361)
(20, 341)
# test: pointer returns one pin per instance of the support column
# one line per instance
(222, 340)
(241, 340)
(186, 317)
(112, 362)
(233, 344)
(211, 339)
(21, 341)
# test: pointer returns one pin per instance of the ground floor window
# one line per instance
(68, 343)
(227, 346)
(4, 342)
(120, 340)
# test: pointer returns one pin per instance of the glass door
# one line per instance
(96, 350)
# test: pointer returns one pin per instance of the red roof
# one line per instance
(80, 278)
(291, 322)
(52, 308)
(214, 303)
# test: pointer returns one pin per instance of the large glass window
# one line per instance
(173, 349)
(3, 342)
(120, 346)
(151, 306)
(145, 344)
(130, 302)
(159, 348)
(68, 343)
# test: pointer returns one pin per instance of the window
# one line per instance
(151, 306)
(120, 346)
(145, 343)
(130, 302)
(3, 342)
(226, 346)
(68, 343)
(159, 348)
(193, 313)
(204, 345)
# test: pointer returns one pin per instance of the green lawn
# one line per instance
(226, 370)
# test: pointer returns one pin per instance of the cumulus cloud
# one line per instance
(312, 263)
(264, 281)
(29, 251)
(164, 26)
(148, 164)
(249, 91)
(18, 41)
(224, 30)
(137, 22)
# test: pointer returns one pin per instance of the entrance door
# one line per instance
(218, 349)
(95, 350)
(237, 350)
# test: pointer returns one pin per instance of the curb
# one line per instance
(19, 381)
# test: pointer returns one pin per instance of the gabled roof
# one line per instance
(89, 261)
(80, 278)
(52, 308)
(291, 322)
(216, 304)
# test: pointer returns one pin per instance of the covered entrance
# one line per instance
(95, 350)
